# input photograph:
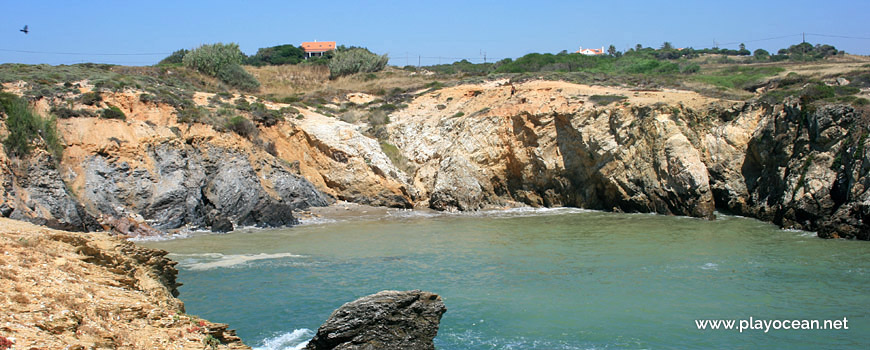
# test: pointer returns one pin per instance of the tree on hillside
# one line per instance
(743, 51)
(612, 51)
(761, 54)
(222, 61)
(175, 58)
(667, 46)
(638, 47)
(277, 55)
(355, 61)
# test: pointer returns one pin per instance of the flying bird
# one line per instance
(24, 30)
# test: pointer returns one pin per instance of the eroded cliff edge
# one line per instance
(668, 152)
(468, 147)
(68, 290)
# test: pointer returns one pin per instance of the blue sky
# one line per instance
(65, 32)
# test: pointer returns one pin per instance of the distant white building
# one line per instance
(591, 52)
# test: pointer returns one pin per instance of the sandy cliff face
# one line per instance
(152, 168)
(539, 143)
(65, 290)
(340, 161)
(174, 175)
(546, 144)
(668, 152)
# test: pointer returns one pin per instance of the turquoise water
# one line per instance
(537, 279)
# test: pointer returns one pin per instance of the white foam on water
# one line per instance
(295, 340)
(489, 213)
(208, 261)
(710, 266)
(801, 233)
(179, 235)
(477, 339)
(316, 221)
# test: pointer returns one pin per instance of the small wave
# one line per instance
(710, 266)
(477, 340)
(316, 221)
(490, 213)
(801, 233)
(295, 340)
(208, 261)
(179, 235)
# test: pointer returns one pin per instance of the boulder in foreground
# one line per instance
(385, 320)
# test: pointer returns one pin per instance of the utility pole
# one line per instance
(804, 37)
(419, 57)
(484, 55)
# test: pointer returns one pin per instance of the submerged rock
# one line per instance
(385, 320)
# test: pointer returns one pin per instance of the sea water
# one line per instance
(537, 279)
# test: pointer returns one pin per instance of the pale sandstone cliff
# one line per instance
(669, 152)
(539, 143)
(66, 290)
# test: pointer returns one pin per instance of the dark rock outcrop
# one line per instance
(199, 185)
(804, 168)
(385, 320)
(33, 190)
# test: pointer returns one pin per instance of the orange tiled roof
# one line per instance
(318, 46)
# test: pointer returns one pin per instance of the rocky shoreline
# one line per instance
(70, 290)
(468, 147)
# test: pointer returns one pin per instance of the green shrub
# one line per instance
(355, 61)
(222, 61)
(209, 59)
(176, 57)
(395, 155)
(690, 68)
(606, 99)
(112, 112)
(24, 126)
(265, 116)
(277, 55)
(761, 54)
(66, 113)
(236, 76)
(90, 98)
(242, 104)
(242, 126)
(190, 114)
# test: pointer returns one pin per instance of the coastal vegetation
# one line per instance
(24, 127)
(223, 62)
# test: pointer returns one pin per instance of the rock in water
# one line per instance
(385, 320)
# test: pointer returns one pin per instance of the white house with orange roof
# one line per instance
(317, 48)
(591, 52)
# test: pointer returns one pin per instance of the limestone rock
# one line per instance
(385, 320)
(93, 291)
(544, 147)
(802, 168)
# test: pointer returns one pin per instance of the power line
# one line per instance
(764, 39)
(87, 54)
(839, 36)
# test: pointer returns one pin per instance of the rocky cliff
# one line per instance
(473, 146)
(798, 167)
(669, 152)
(151, 168)
(67, 290)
